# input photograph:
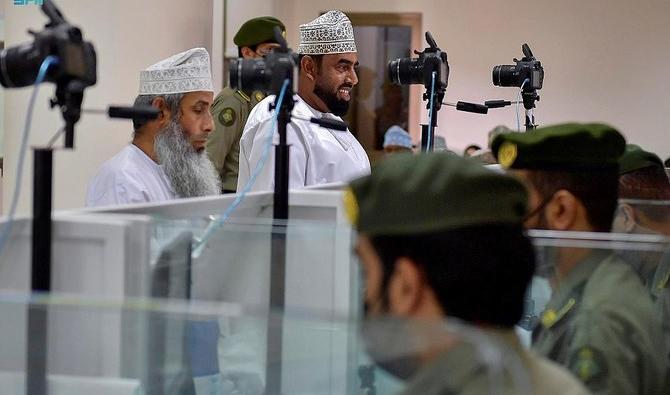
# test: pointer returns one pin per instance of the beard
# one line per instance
(336, 106)
(190, 172)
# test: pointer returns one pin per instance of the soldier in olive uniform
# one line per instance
(456, 253)
(231, 108)
(600, 321)
(642, 177)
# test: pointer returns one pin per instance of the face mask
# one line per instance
(546, 258)
(391, 345)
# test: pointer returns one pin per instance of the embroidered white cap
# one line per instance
(328, 34)
(188, 71)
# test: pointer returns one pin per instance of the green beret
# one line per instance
(258, 31)
(635, 158)
(413, 194)
(567, 147)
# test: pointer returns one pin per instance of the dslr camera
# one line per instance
(405, 71)
(266, 74)
(528, 68)
(20, 65)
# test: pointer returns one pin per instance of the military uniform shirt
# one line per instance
(600, 324)
(461, 371)
(230, 111)
(661, 294)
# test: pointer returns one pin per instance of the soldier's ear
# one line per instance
(628, 217)
(248, 53)
(564, 211)
(406, 288)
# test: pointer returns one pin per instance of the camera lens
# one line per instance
(405, 71)
(505, 75)
(248, 74)
(19, 66)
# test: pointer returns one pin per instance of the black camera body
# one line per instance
(20, 65)
(406, 71)
(267, 74)
(528, 68)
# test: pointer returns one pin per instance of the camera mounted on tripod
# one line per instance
(76, 58)
(407, 71)
(74, 71)
(266, 74)
(527, 74)
(430, 69)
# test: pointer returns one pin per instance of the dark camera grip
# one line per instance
(497, 103)
(472, 107)
(138, 112)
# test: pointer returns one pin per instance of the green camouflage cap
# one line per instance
(413, 194)
(258, 31)
(567, 147)
(635, 158)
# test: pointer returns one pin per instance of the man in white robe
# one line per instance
(166, 159)
(317, 155)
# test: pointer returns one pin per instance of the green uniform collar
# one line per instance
(248, 97)
(244, 96)
(567, 294)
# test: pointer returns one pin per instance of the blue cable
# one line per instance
(430, 111)
(7, 228)
(238, 200)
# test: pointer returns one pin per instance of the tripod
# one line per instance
(434, 97)
(529, 98)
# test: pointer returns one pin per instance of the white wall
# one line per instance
(128, 35)
(2, 93)
(605, 60)
(240, 11)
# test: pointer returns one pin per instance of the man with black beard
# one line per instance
(441, 242)
(167, 158)
(318, 155)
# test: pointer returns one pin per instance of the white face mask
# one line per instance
(191, 173)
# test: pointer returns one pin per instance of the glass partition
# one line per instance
(221, 283)
(298, 265)
(159, 346)
(646, 254)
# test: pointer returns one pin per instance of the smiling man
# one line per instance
(327, 75)
(166, 159)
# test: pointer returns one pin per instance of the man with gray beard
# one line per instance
(166, 159)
